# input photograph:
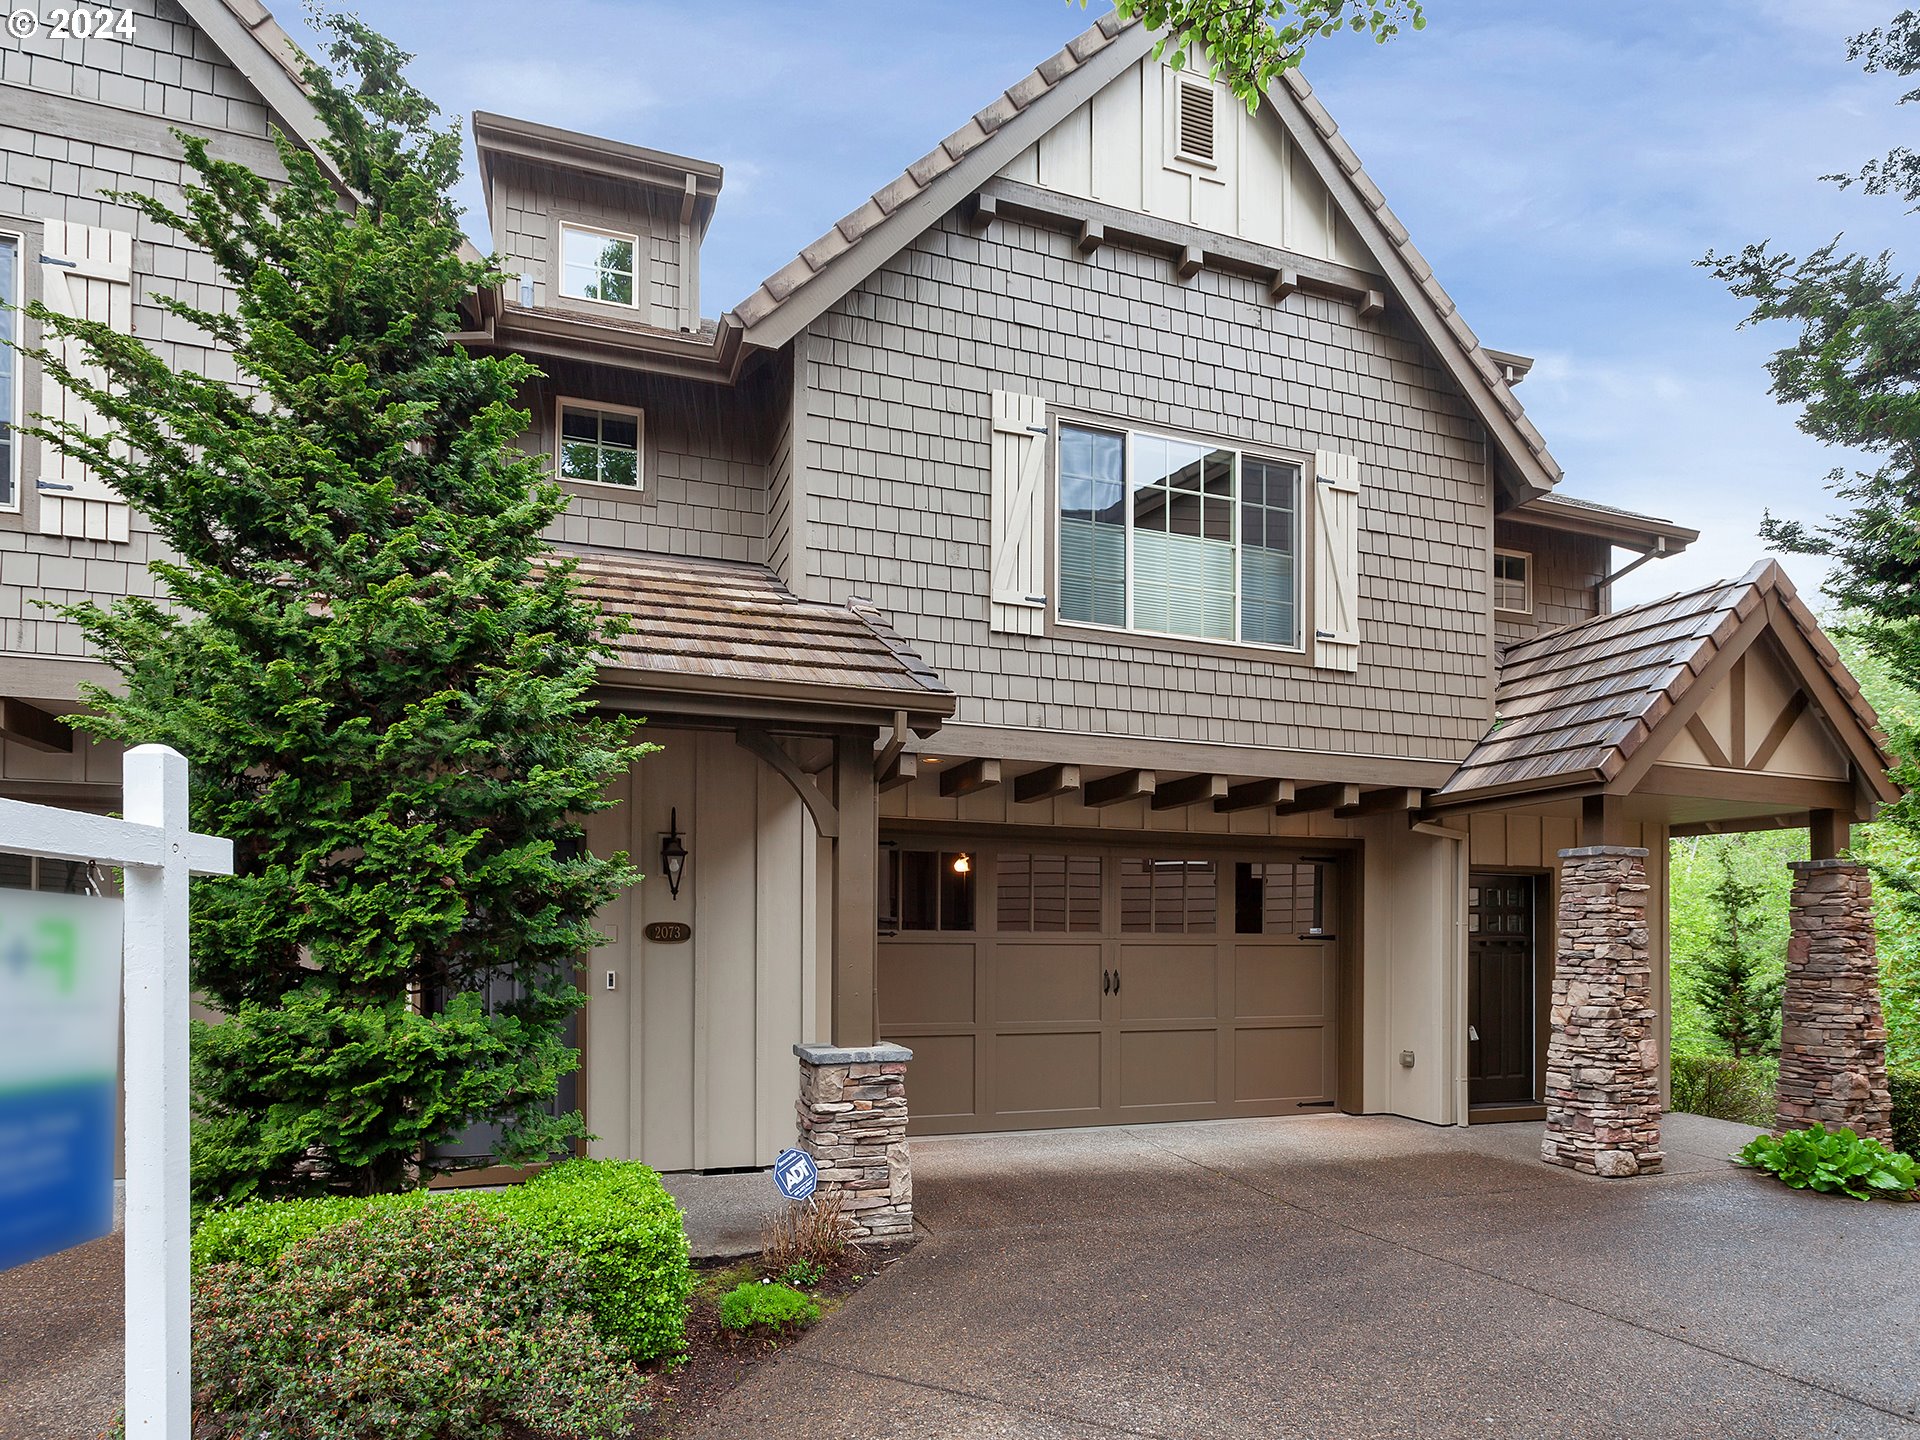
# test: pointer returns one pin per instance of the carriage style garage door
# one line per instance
(1046, 987)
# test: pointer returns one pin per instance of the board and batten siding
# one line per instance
(1117, 149)
(76, 120)
(897, 446)
(688, 1060)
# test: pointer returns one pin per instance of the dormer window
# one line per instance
(599, 265)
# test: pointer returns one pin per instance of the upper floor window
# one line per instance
(1513, 581)
(9, 372)
(599, 265)
(1178, 537)
(599, 444)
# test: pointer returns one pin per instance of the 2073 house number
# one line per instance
(79, 22)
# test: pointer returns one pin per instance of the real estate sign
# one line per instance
(59, 1038)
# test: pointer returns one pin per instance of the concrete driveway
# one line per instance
(1332, 1276)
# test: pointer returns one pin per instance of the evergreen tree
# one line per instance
(377, 669)
(1736, 986)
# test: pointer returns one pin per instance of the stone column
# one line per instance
(853, 1121)
(1833, 1038)
(1603, 1057)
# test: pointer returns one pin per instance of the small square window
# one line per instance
(599, 446)
(599, 265)
(1513, 582)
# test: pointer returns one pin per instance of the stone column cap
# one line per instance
(1583, 852)
(1838, 863)
(885, 1053)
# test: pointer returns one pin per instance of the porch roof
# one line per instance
(1591, 707)
(719, 627)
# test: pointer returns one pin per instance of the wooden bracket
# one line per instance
(903, 770)
(1372, 304)
(1189, 790)
(1191, 262)
(757, 742)
(1254, 795)
(1092, 236)
(986, 210)
(1311, 799)
(1378, 802)
(1285, 282)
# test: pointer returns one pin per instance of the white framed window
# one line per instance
(601, 265)
(598, 444)
(1513, 582)
(1174, 536)
(10, 300)
(1195, 121)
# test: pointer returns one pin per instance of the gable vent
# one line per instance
(1195, 121)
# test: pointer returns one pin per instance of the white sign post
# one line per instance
(157, 851)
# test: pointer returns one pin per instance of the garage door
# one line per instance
(1046, 987)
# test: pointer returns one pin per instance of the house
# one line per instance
(1111, 626)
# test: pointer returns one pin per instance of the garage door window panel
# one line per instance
(927, 890)
(1168, 897)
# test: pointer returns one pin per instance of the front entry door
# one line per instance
(1501, 926)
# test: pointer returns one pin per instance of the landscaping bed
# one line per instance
(682, 1390)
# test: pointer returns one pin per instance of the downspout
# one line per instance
(1456, 988)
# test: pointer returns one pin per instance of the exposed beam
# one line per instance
(1748, 787)
(1372, 304)
(1777, 733)
(969, 776)
(1709, 747)
(1045, 784)
(1311, 799)
(1379, 802)
(903, 770)
(1191, 262)
(1092, 236)
(986, 210)
(1189, 790)
(1286, 281)
(33, 727)
(1117, 789)
(1254, 795)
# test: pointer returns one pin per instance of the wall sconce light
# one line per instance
(962, 864)
(673, 854)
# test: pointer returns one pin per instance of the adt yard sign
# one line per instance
(795, 1175)
(59, 1043)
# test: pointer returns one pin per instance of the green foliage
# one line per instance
(618, 1221)
(1836, 1162)
(380, 675)
(441, 1320)
(1251, 45)
(767, 1307)
(1737, 982)
(1753, 868)
(803, 1274)
(1904, 1082)
(255, 1234)
(1726, 1088)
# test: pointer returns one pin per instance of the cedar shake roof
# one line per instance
(998, 128)
(1573, 705)
(721, 625)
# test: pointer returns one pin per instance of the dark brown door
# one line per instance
(1501, 932)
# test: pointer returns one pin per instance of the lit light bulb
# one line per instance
(961, 865)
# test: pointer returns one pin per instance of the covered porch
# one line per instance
(1723, 709)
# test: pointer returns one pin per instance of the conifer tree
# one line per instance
(1734, 984)
(377, 669)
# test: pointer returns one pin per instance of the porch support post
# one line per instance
(1833, 1037)
(1603, 1055)
(856, 860)
(853, 1121)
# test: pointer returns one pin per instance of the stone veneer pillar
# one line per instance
(1833, 1037)
(853, 1121)
(1603, 1055)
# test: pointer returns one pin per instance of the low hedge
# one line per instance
(626, 1230)
(1904, 1081)
(1724, 1088)
(613, 1216)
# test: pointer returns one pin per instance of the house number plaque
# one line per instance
(669, 932)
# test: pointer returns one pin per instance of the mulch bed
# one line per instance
(718, 1359)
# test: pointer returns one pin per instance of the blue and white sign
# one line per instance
(795, 1175)
(59, 1034)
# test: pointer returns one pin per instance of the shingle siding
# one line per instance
(1566, 568)
(531, 205)
(898, 382)
(76, 118)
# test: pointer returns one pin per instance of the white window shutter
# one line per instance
(1336, 561)
(1019, 531)
(85, 272)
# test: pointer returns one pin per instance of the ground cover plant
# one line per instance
(766, 1307)
(1834, 1162)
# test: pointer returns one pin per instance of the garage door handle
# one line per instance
(1106, 982)
(1116, 982)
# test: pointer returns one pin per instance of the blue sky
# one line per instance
(1561, 164)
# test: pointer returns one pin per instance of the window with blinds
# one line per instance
(1178, 537)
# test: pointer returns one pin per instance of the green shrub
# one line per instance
(803, 1274)
(619, 1222)
(1904, 1082)
(445, 1321)
(1832, 1161)
(1725, 1088)
(766, 1306)
(254, 1234)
